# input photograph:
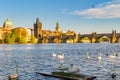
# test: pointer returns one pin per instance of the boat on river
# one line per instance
(67, 75)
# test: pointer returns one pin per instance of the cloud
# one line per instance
(64, 11)
(106, 10)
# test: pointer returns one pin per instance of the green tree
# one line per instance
(10, 38)
(21, 35)
(33, 39)
(18, 35)
(23, 39)
(17, 38)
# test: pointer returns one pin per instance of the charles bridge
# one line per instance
(79, 38)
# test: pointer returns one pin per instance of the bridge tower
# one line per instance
(38, 29)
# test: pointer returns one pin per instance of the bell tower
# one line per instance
(38, 29)
(57, 28)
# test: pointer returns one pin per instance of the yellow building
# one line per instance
(1, 33)
(70, 33)
(6, 28)
(45, 33)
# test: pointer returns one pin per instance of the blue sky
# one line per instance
(81, 16)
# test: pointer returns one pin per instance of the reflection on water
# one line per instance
(33, 58)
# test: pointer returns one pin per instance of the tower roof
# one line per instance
(37, 21)
(57, 24)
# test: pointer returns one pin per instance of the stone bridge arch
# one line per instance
(104, 38)
(118, 38)
(85, 39)
(70, 39)
(87, 36)
(57, 40)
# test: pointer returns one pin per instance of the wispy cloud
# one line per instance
(64, 11)
(106, 10)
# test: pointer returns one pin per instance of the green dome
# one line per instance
(8, 24)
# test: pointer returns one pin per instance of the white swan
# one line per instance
(53, 54)
(60, 56)
(88, 57)
(69, 68)
(100, 57)
(63, 67)
(113, 56)
(13, 76)
(74, 69)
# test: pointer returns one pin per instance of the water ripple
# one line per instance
(38, 57)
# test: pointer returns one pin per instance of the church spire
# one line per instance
(57, 28)
(57, 24)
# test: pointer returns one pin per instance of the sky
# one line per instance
(80, 16)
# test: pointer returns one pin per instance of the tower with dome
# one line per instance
(7, 24)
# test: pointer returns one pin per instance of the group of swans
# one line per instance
(112, 56)
(69, 68)
(59, 56)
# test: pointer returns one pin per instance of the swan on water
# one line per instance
(69, 68)
(60, 56)
(53, 54)
(100, 57)
(112, 56)
(63, 67)
(88, 57)
(14, 76)
(74, 69)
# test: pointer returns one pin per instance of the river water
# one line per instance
(32, 58)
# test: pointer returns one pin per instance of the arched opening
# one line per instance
(69, 40)
(85, 40)
(119, 40)
(45, 41)
(56, 40)
(104, 39)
